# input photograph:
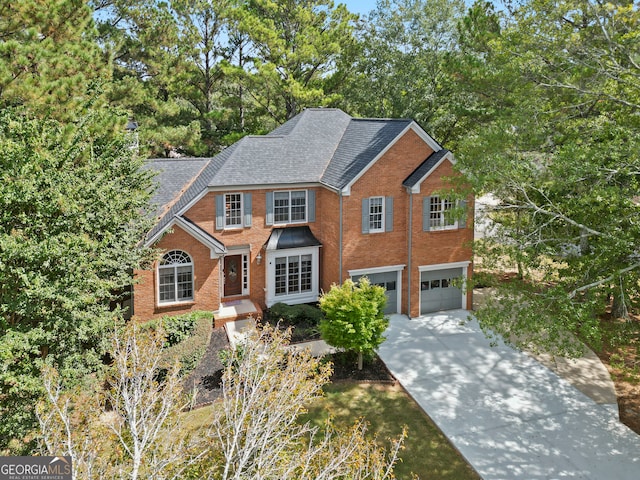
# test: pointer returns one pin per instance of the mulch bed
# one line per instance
(207, 375)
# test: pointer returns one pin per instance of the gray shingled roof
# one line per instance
(362, 141)
(172, 176)
(424, 168)
(320, 145)
(297, 152)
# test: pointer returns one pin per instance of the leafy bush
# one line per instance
(187, 337)
(295, 314)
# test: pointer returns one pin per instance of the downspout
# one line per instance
(340, 240)
(409, 242)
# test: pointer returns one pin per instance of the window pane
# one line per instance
(167, 285)
(281, 276)
(298, 206)
(435, 212)
(305, 273)
(375, 213)
(294, 272)
(447, 217)
(281, 207)
(184, 284)
(233, 209)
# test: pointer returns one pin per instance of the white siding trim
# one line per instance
(449, 156)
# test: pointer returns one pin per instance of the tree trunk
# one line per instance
(359, 360)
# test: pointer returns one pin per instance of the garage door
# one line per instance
(437, 291)
(387, 280)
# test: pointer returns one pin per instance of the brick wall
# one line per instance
(360, 250)
(206, 275)
(439, 246)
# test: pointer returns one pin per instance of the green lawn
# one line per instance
(387, 409)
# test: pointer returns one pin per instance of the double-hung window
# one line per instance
(376, 214)
(441, 213)
(175, 277)
(290, 206)
(233, 210)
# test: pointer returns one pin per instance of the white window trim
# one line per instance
(241, 224)
(296, 298)
(383, 213)
(161, 303)
(454, 226)
(290, 222)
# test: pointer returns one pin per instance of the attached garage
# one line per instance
(440, 288)
(391, 280)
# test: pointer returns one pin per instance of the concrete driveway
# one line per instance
(508, 415)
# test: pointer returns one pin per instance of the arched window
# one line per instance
(175, 277)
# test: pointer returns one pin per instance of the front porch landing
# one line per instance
(236, 310)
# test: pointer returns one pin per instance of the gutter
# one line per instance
(409, 255)
(340, 240)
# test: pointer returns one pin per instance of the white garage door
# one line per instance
(388, 280)
(438, 292)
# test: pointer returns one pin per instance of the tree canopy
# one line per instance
(354, 317)
(561, 156)
(72, 200)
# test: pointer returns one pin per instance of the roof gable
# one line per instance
(363, 144)
(319, 146)
(429, 165)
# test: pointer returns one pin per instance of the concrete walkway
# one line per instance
(509, 416)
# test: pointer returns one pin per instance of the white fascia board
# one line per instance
(443, 266)
(159, 234)
(448, 156)
(346, 191)
(374, 270)
(215, 247)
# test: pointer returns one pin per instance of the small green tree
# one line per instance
(355, 317)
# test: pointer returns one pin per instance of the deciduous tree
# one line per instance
(561, 155)
(354, 317)
(254, 431)
(72, 213)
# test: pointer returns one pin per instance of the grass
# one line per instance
(387, 409)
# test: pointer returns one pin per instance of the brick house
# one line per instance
(323, 198)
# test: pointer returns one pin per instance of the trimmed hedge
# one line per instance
(295, 314)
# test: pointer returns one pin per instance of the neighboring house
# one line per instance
(323, 198)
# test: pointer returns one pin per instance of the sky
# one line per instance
(358, 6)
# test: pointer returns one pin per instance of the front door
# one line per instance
(232, 275)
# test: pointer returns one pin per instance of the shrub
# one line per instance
(187, 337)
(295, 314)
